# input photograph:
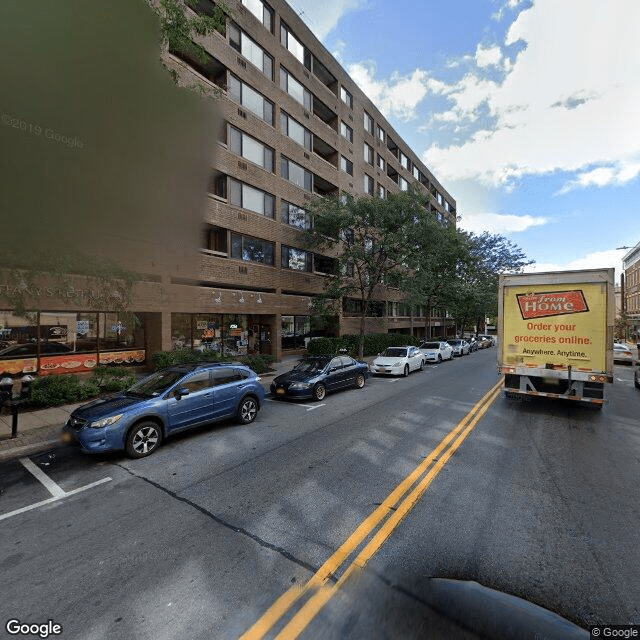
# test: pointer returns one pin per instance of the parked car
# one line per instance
(397, 361)
(460, 347)
(168, 401)
(30, 350)
(313, 376)
(623, 353)
(484, 342)
(436, 351)
(473, 344)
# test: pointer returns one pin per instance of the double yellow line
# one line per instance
(392, 511)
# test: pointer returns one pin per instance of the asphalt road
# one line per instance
(202, 538)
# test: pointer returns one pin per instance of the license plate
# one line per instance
(280, 391)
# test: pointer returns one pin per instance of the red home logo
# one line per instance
(552, 303)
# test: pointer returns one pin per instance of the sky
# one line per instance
(527, 111)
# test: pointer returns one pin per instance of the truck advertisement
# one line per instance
(556, 333)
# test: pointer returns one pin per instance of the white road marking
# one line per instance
(54, 489)
(311, 407)
(54, 499)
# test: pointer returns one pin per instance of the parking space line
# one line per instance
(53, 499)
(311, 407)
(54, 489)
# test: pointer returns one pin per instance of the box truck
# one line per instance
(555, 334)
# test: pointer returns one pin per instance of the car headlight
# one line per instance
(397, 364)
(299, 385)
(106, 422)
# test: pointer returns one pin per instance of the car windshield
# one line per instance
(156, 383)
(310, 366)
(454, 343)
(395, 352)
(430, 345)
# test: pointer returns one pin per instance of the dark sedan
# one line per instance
(314, 376)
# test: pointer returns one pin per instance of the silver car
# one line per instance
(460, 347)
(623, 353)
(436, 351)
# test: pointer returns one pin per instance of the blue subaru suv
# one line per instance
(168, 401)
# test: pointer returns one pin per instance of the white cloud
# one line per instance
(322, 19)
(498, 222)
(398, 96)
(617, 175)
(595, 260)
(488, 57)
(568, 102)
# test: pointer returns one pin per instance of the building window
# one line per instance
(323, 264)
(368, 184)
(262, 11)
(346, 97)
(296, 259)
(404, 160)
(251, 249)
(346, 131)
(381, 163)
(368, 123)
(439, 197)
(250, 99)
(382, 192)
(416, 173)
(251, 50)
(404, 185)
(293, 172)
(296, 131)
(295, 216)
(294, 46)
(215, 240)
(380, 132)
(346, 165)
(368, 153)
(250, 149)
(242, 195)
(289, 84)
(348, 270)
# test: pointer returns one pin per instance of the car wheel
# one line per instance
(360, 380)
(421, 365)
(319, 392)
(451, 356)
(406, 370)
(248, 410)
(143, 439)
(636, 380)
(439, 358)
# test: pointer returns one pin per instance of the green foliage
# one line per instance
(51, 391)
(374, 343)
(110, 379)
(161, 359)
(179, 29)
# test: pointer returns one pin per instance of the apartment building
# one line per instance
(631, 290)
(295, 127)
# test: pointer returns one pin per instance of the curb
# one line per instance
(27, 449)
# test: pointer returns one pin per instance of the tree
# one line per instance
(441, 254)
(372, 241)
(489, 256)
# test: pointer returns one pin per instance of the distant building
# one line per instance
(631, 267)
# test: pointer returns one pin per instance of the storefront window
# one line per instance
(54, 342)
(295, 331)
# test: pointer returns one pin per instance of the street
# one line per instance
(308, 522)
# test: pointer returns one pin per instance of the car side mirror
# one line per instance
(182, 391)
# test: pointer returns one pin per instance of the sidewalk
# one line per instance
(39, 430)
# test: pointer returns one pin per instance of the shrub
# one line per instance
(112, 379)
(374, 343)
(51, 391)
(258, 362)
